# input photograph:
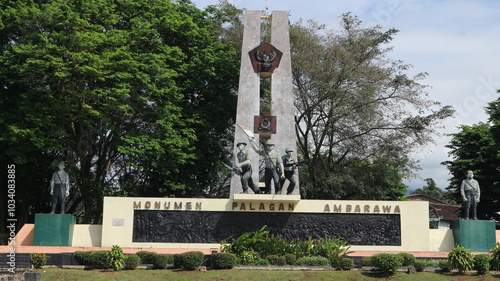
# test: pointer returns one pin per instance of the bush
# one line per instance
(223, 260)
(38, 260)
(248, 257)
(346, 264)
(188, 260)
(83, 257)
(97, 259)
(482, 263)
(160, 261)
(444, 265)
(276, 260)
(313, 261)
(420, 265)
(387, 263)
(407, 259)
(366, 261)
(115, 257)
(290, 259)
(461, 259)
(132, 261)
(495, 257)
(146, 256)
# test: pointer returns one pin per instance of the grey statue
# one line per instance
(470, 192)
(274, 165)
(59, 188)
(290, 165)
(243, 161)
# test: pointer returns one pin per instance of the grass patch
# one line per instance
(57, 274)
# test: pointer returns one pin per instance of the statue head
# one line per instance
(470, 174)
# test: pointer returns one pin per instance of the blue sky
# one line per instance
(456, 42)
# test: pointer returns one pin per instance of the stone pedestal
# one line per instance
(475, 235)
(53, 230)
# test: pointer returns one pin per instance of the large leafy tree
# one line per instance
(355, 105)
(136, 96)
(476, 148)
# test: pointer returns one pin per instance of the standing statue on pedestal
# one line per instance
(59, 188)
(290, 165)
(243, 161)
(274, 165)
(470, 194)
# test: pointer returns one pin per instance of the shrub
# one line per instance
(99, 259)
(261, 262)
(420, 265)
(313, 261)
(407, 259)
(346, 264)
(461, 258)
(160, 261)
(276, 260)
(444, 265)
(223, 260)
(387, 263)
(188, 260)
(290, 259)
(38, 260)
(247, 257)
(132, 261)
(482, 263)
(83, 257)
(366, 261)
(146, 256)
(115, 257)
(495, 257)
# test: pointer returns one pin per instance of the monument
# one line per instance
(266, 60)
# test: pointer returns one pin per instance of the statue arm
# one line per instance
(462, 191)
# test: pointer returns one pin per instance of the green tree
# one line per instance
(433, 191)
(137, 96)
(355, 104)
(476, 148)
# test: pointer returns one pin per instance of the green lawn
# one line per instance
(257, 275)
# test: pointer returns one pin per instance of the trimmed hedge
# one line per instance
(160, 261)
(445, 267)
(97, 259)
(146, 256)
(345, 264)
(188, 260)
(223, 260)
(420, 265)
(313, 261)
(132, 261)
(407, 259)
(290, 259)
(482, 263)
(366, 261)
(387, 263)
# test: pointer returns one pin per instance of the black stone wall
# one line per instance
(213, 227)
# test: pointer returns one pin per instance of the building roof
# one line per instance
(438, 209)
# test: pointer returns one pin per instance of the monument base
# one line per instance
(53, 230)
(475, 235)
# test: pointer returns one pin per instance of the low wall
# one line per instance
(158, 218)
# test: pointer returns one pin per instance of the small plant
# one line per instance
(116, 258)
(247, 257)
(290, 259)
(420, 265)
(223, 260)
(146, 256)
(132, 261)
(188, 260)
(345, 264)
(461, 258)
(482, 263)
(387, 263)
(366, 261)
(407, 259)
(313, 261)
(38, 260)
(160, 261)
(444, 265)
(495, 257)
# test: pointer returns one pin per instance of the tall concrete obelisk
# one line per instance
(282, 98)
